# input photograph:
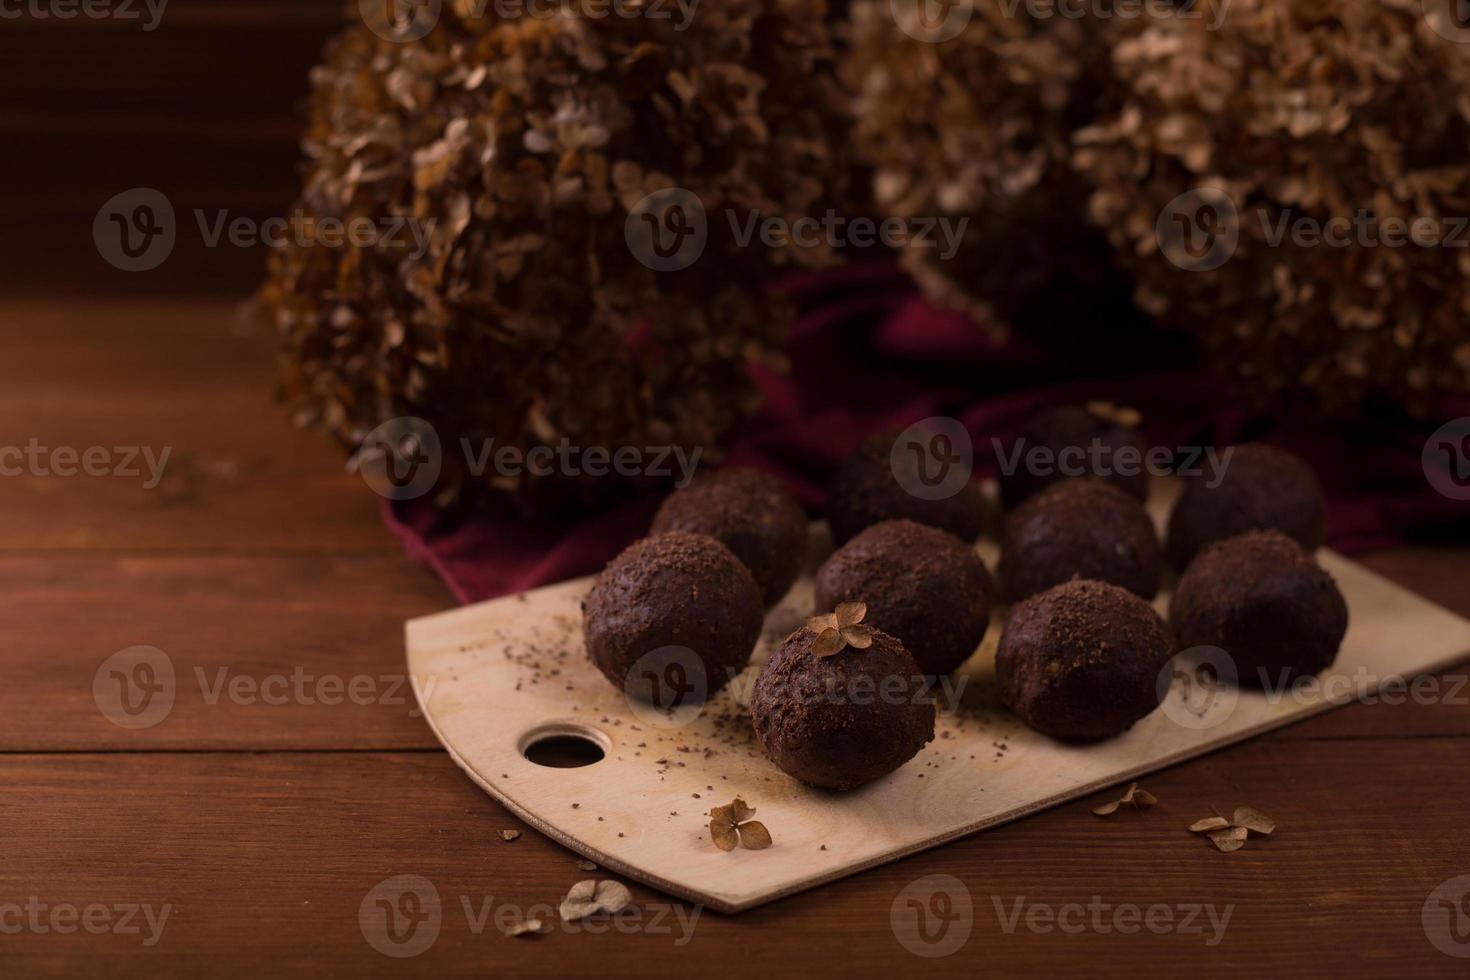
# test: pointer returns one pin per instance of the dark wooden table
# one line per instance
(263, 827)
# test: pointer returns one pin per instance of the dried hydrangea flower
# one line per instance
(841, 629)
(978, 127)
(1294, 110)
(1231, 835)
(507, 156)
(730, 826)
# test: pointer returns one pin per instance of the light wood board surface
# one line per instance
(497, 676)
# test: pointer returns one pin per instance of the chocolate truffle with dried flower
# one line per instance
(840, 704)
(968, 119)
(1284, 188)
(674, 613)
(1097, 439)
(867, 490)
(525, 148)
(1260, 487)
(921, 585)
(1265, 602)
(1081, 661)
(752, 513)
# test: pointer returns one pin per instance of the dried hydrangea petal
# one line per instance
(754, 836)
(1252, 819)
(857, 637)
(740, 811)
(590, 897)
(525, 927)
(850, 613)
(1208, 824)
(827, 643)
(1229, 839)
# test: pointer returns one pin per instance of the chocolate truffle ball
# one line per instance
(1079, 529)
(841, 721)
(1262, 488)
(1067, 435)
(751, 513)
(1266, 602)
(866, 492)
(673, 595)
(1081, 661)
(923, 586)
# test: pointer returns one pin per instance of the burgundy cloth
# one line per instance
(868, 352)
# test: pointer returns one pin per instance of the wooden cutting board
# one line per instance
(496, 677)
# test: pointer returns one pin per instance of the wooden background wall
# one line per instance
(207, 108)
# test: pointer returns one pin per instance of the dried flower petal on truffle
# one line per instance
(840, 629)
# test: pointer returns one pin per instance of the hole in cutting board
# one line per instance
(564, 746)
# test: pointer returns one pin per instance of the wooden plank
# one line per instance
(191, 379)
(265, 652)
(266, 861)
